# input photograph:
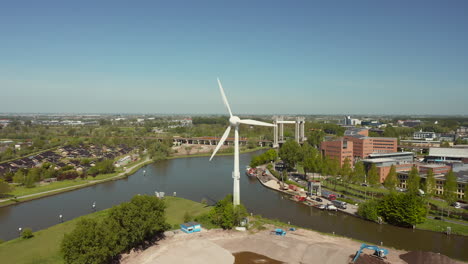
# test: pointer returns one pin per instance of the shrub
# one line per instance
(27, 233)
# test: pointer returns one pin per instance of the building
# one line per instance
(338, 149)
(462, 181)
(428, 136)
(190, 227)
(384, 165)
(406, 157)
(436, 168)
(448, 155)
(462, 130)
(410, 123)
(364, 146)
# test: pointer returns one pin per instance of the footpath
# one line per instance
(93, 182)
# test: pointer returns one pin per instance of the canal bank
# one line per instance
(197, 179)
(129, 171)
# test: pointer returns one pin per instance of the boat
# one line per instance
(251, 172)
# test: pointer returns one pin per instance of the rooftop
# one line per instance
(379, 160)
(449, 152)
(377, 155)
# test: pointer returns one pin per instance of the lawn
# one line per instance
(44, 246)
(441, 226)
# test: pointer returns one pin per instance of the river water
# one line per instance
(197, 178)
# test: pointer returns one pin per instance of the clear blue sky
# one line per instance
(306, 57)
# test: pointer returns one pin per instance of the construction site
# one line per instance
(271, 246)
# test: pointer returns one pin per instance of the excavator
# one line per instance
(380, 253)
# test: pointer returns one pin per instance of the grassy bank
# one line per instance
(441, 226)
(44, 247)
(66, 185)
(81, 183)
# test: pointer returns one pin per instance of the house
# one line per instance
(190, 227)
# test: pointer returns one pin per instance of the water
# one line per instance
(197, 178)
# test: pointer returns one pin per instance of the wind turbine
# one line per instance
(234, 122)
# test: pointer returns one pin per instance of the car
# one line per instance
(364, 184)
(331, 207)
(322, 207)
(318, 199)
(457, 205)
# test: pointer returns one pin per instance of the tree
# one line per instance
(4, 187)
(359, 173)
(19, 177)
(225, 215)
(391, 179)
(373, 175)
(158, 151)
(89, 242)
(369, 210)
(290, 153)
(403, 209)
(450, 187)
(346, 170)
(413, 181)
(430, 183)
(315, 138)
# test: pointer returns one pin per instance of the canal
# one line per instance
(196, 179)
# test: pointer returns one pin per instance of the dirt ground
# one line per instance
(217, 246)
(188, 149)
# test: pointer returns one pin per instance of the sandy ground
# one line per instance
(215, 246)
(189, 149)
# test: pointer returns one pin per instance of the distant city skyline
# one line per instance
(302, 57)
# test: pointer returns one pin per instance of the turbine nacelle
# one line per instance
(234, 121)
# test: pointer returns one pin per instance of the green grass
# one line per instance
(44, 247)
(441, 226)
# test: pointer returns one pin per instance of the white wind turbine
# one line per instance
(235, 122)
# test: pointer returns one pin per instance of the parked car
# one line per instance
(364, 184)
(322, 207)
(331, 207)
(456, 205)
(318, 199)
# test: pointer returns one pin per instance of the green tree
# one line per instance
(373, 175)
(315, 138)
(225, 215)
(346, 170)
(369, 210)
(403, 209)
(89, 243)
(450, 187)
(391, 179)
(159, 151)
(430, 183)
(359, 173)
(19, 177)
(290, 153)
(4, 187)
(413, 181)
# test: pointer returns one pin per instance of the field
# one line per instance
(44, 246)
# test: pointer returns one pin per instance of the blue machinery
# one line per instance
(378, 252)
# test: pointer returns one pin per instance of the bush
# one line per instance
(27, 233)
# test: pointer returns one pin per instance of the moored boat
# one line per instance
(251, 172)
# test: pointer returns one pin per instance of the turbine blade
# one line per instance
(255, 123)
(221, 142)
(224, 97)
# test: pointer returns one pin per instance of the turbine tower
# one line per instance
(234, 122)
